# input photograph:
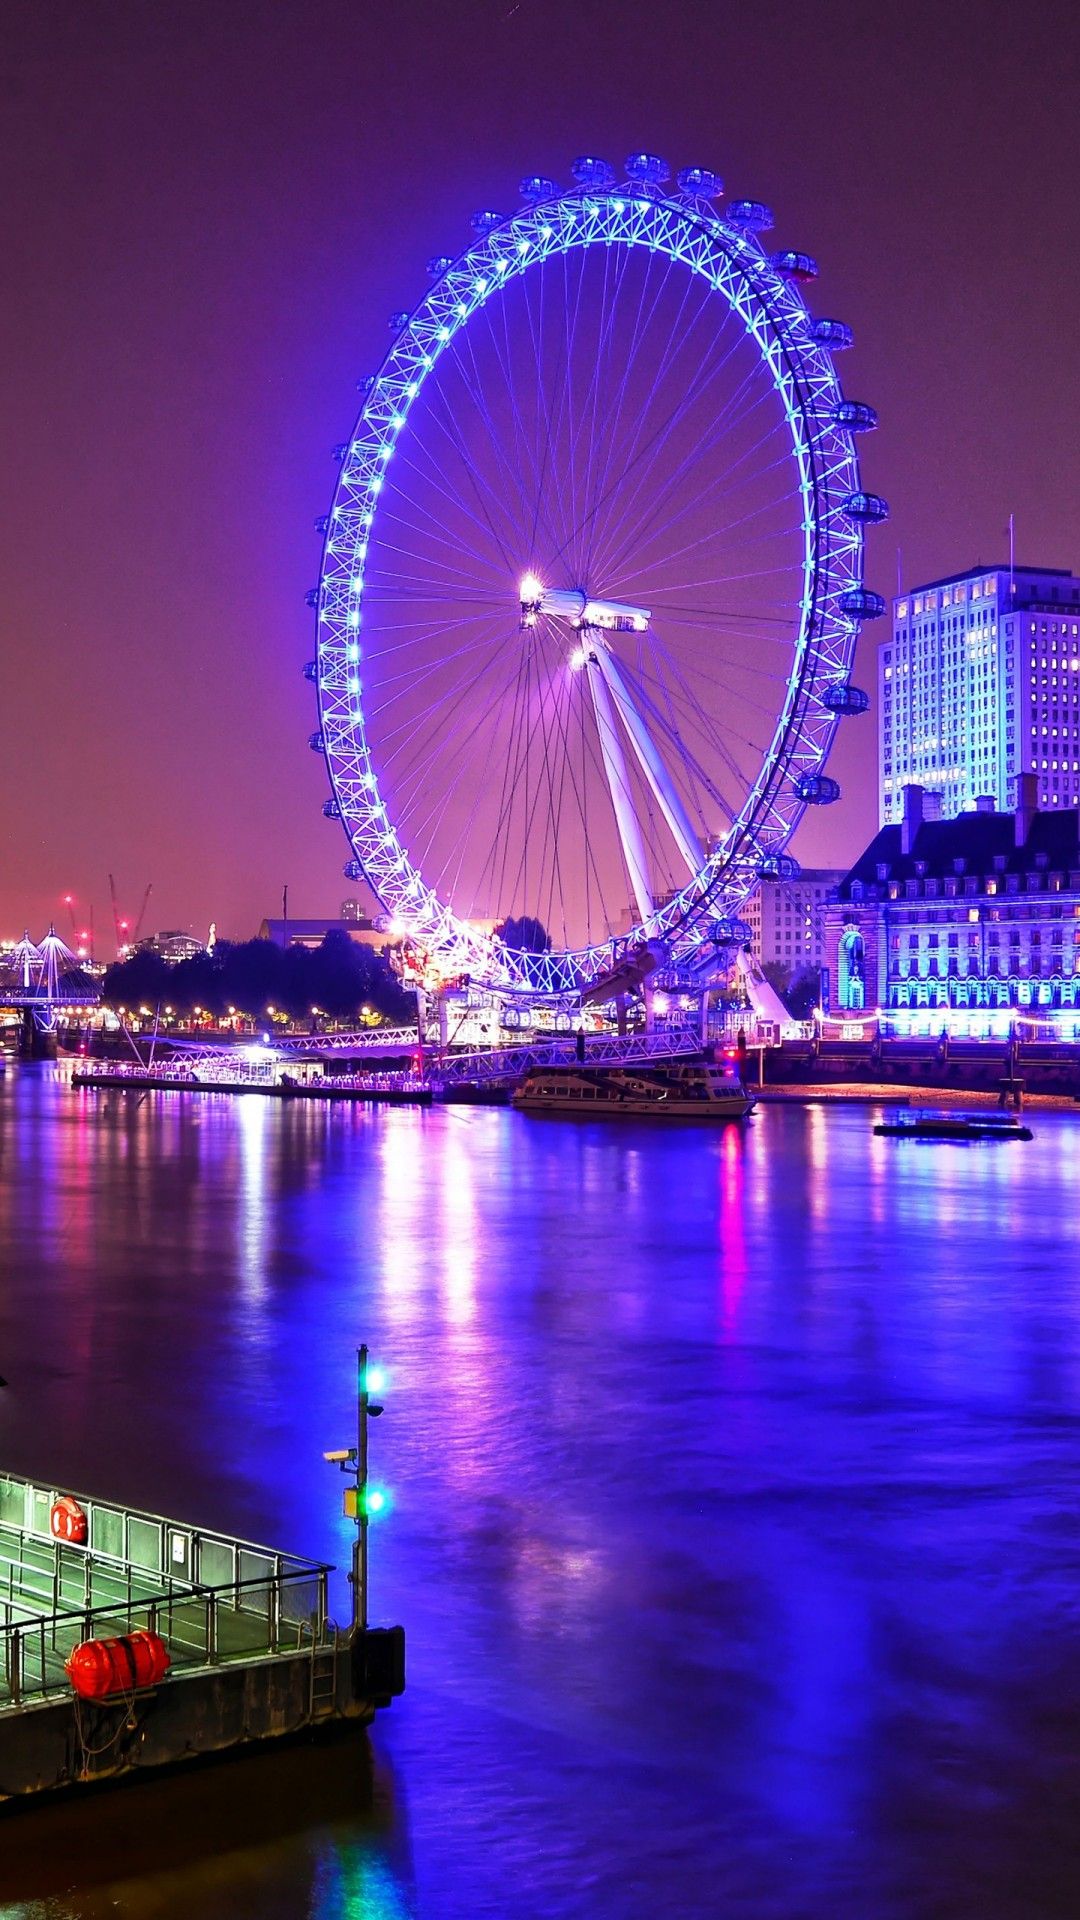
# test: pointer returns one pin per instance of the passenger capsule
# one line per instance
(316, 741)
(537, 187)
(310, 669)
(440, 264)
(796, 266)
(845, 699)
(817, 789)
(856, 416)
(311, 598)
(399, 320)
(832, 333)
(338, 453)
(322, 524)
(367, 382)
(331, 809)
(861, 604)
(353, 870)
(779, 866)
(754, 215)
(588, 171)
(700, 183)
(486, 220)
(869, 507)
(648, 168)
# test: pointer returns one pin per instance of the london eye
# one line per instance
(591, 582)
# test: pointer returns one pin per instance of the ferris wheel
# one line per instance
(591, 583)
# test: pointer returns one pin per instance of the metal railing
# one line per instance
(609, 1050)
(283, 1613)
(212, 1596)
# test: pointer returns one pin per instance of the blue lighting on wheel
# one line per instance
(683, 228)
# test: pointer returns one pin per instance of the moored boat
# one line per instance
(679, 1090)
(955, 1126)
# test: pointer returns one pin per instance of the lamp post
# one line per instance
(361, 1500)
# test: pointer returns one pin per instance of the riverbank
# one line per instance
(888, 1093)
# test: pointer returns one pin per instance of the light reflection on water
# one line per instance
(736, 1494)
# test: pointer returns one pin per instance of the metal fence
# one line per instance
(211, 1597)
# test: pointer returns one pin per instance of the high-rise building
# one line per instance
(978, 683)
(785, 918)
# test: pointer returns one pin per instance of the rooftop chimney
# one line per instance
(985, 803)
(1027, 794)
(912, 818)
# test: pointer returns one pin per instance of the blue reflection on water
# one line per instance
(735, 1484)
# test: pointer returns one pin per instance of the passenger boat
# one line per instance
(676, 1091)
(955, 1126)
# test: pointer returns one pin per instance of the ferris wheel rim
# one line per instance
(689, 230)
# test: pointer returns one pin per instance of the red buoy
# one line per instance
(100, 1667)
(67, 1521)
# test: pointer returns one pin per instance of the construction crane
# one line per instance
(125, 937)
(119, 926)
(142, 913)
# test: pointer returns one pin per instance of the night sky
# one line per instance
(210, 212)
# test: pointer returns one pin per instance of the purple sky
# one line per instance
(210, 213)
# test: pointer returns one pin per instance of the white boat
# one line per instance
(678, 1091)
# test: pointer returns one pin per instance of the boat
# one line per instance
(955, 1126)
(682, 1090)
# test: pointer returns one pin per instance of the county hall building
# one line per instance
(977, 915)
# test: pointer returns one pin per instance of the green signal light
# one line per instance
(375, 1380)
(376, 1502)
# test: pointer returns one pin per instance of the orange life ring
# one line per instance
(67, 1521)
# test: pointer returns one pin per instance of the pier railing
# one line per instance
(211, 1597)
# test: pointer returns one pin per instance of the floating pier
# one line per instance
(244, 1644)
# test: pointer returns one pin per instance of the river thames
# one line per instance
(736, 1498)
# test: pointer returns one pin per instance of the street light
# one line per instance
(362, 1502)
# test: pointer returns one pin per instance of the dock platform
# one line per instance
(253, 1652)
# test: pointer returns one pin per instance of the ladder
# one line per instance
(322, 1700)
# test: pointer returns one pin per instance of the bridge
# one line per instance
(38, 980)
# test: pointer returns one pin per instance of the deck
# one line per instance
(215, 1600)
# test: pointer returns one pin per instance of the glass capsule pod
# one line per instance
(861, 604)
(832, 333)
(795, 266)
(779, 866)
(754, 215)
(856, 416)
(701, 183)
(648, 168)
(845, 699)
(869, 507)
(817, 789)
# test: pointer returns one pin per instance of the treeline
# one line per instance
(339, 978)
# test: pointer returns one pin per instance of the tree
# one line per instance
(339, 977)
(799, 990)
(525, 934)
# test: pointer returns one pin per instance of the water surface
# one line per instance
(736, 1524)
